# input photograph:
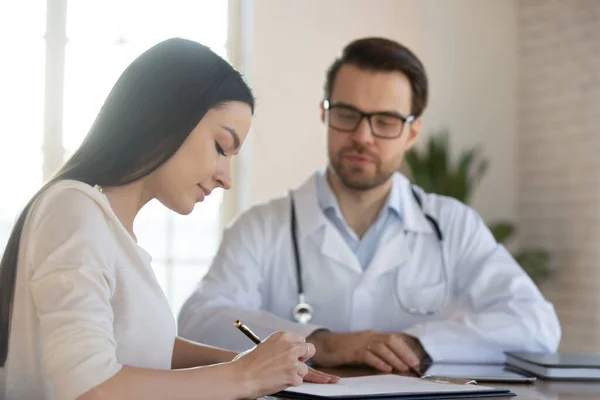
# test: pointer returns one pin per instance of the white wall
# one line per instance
(469, 50)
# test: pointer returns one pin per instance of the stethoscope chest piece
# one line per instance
(303, 312)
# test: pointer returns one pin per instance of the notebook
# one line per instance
(556, 365)
(391, 386)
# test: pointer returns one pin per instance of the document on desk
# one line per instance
(391, 387)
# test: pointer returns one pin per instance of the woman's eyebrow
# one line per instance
(234, 134)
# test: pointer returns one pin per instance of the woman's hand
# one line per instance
(315, 376)
(276, 364)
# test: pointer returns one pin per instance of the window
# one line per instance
(21, 106)
(75, 76)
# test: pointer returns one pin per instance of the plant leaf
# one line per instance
(502, 231)
(535, 262)
(461, 182)
(435, 162)
(480, 171)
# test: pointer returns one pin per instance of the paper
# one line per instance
(383, 384)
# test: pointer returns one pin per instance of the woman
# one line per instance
(84, 313)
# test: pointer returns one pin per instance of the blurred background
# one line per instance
(512, 127)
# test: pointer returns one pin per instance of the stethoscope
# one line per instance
(303, 312)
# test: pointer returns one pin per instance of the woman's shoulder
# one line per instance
(70, 220)
(69, 189)
(69, 204)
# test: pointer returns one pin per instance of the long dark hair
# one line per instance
(154, 105)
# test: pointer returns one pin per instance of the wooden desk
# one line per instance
(541, 390)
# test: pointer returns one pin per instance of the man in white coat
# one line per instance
(386, 275)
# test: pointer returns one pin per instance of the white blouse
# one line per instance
(87, 301)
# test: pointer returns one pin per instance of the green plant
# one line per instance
(433, 170)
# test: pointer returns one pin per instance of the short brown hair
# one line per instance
(380, 54)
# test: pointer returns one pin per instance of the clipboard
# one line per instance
(391, 387)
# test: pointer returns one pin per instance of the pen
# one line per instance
(246, 331)
(415, 371)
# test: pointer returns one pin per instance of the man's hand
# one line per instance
(383, 351)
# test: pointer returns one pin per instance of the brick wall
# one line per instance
(558, 155)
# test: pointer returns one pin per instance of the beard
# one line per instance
(360, 177)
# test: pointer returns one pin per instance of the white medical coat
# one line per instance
(483, 301)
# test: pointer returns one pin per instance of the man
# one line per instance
(390, 275)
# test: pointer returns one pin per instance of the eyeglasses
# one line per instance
(384, 125)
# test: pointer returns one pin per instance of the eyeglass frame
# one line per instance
(328, 106)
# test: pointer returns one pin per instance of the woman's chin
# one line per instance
(184, 208)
